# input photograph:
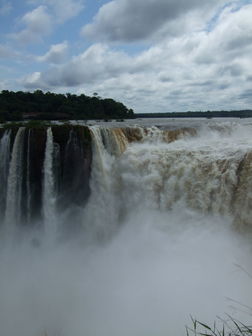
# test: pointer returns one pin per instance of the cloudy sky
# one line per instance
(153, 55)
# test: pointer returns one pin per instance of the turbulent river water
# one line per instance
(125, 228)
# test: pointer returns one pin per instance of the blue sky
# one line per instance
(153, 55)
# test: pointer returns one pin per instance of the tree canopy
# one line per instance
(48, 106)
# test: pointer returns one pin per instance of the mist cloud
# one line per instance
(147, 280)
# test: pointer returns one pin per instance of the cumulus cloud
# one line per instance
(38, 23)
(231, 38)
(96, 63)
(62, 10)
(56, 54)
(200, 70)
(131, 20)
(65, 9)
(31, 79)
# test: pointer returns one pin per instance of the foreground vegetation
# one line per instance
(229, 327)
(21, 105)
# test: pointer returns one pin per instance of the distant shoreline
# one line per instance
(198, 114)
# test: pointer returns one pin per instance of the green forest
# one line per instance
(38, 105)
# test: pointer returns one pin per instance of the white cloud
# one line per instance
(32, 80)
(131, 20)
(65, 9)
(231, 39)
(97, 62)
(56, 54)
(62, 10)
(200, 70)
(38, 23)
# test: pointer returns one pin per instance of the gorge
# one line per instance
(123, 229)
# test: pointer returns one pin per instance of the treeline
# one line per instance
(199, 114)
(48, 106)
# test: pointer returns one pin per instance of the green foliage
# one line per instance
(15, 106)
(229, 327)
(36, 123)
(12, 124)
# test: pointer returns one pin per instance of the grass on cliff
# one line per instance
(229, 327)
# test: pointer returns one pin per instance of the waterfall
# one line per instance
(5, 145)
(131, 167)
(163, 177)
(114, 140)
(28, 185)
(13, 213)
(119, 222)
(242, 196)
(102, 209)
(49, 197)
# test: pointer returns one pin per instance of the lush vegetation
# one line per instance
(48, 106)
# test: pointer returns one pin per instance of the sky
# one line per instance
(152, 55)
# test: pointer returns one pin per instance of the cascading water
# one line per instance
(147, 226)
(28, 182)
(102, 212)
(49, 196)
(5, 154)
(13, 213)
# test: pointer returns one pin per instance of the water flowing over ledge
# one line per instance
(111, 230)
(105, 172)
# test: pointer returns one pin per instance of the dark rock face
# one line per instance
(72, 158)
(72, 164)
(37, 141)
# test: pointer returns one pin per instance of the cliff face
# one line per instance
(71, 158)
